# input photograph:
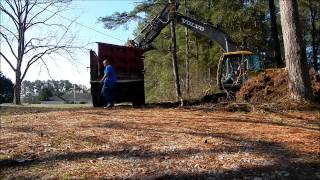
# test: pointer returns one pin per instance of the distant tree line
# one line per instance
(34, 92)
(6, 89)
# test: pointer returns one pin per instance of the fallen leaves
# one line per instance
(146, 143)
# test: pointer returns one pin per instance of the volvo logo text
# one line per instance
(189, 23)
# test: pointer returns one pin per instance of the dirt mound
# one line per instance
(315, 80)
(271, 86)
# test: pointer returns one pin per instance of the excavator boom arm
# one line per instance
(207, 30)
(153, 29)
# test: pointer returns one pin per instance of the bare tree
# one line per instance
(187, 60)
(295, 53)
(33, 34)
(175, 58)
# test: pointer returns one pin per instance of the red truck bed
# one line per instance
(129, 67)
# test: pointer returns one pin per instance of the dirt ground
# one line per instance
(272, 86)
(159, 143)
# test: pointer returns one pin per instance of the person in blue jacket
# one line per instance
(108, 81)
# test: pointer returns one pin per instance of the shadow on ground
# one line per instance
(283, 166)
(284, 163)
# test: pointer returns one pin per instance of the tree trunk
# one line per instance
(274, 34)
(17, 89)
(187, 52)
(17, 86)
(175, 61)
(209, 4)
(197, 57)
(315, 48)
(295, 53)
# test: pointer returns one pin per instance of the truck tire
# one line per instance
(138, 99)
(95, 93)
(138, 102)
(95, 101)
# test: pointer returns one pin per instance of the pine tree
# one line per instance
(295, 53)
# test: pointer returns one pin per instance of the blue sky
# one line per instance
(87, 12)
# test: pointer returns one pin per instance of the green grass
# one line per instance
(3, 157)
(48, 105)
(278, 120)
(9, 109)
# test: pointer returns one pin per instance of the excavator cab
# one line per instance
(235, 68)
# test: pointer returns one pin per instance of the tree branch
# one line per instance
(67, 29)
(9, 45)
(30, 24)
(34, 3)
(38, 56)
(44, 23)
(17, 5)
(7, 60)
(12, 8)
(1, 26)
(16, 23)
(33, 47)
(26, 13)
(47, 68)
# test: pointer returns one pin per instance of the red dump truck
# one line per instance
(128, 64)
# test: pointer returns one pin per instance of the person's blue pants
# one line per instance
(106, 93)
